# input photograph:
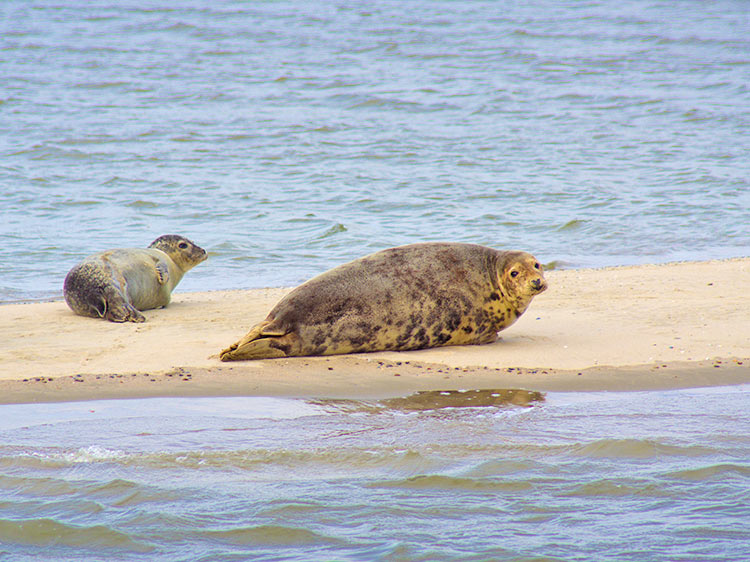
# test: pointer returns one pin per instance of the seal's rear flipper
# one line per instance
(124, 313)
(257, 349)
(259, 343)
(118, 309)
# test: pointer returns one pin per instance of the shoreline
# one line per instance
(644, 327)
(315, 378)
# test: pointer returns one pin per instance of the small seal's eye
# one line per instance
(514, 274)
(536, 266)
(183, 245)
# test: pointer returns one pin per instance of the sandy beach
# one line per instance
(623, 328)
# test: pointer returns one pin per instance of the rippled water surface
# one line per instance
(287, 137)
(619, 476)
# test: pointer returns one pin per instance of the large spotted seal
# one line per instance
(409, 297)
(118, 284)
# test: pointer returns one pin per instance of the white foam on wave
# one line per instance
(93, 453)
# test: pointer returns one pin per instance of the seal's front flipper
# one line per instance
(162, 272)
(261, 342)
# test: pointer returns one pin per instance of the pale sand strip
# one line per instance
(654, 326)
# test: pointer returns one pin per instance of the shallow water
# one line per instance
(287, 137)
(601, 476)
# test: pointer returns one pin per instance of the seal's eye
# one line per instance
(514, 274)
(183, 245)
(536, 266)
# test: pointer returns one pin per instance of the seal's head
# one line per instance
(182, 251)
(521, 277)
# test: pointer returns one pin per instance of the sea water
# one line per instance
(287, 137)
(576, 477)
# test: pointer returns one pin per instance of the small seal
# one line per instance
(409, 297)
(118, 284)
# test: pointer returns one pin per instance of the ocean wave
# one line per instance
(637, 449)
(269, 535)
(45, 532)
(620, 488)
(442, 482)
(721, 471)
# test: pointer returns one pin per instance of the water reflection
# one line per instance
(429, 400)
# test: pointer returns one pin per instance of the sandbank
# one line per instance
(613, 329)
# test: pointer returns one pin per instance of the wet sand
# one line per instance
(624, 328)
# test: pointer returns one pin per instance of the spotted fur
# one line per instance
(409, 297)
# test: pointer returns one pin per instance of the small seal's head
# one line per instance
(521, 275)
(182, 251)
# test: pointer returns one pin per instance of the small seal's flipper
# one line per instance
(162, 272)
(261, 342)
